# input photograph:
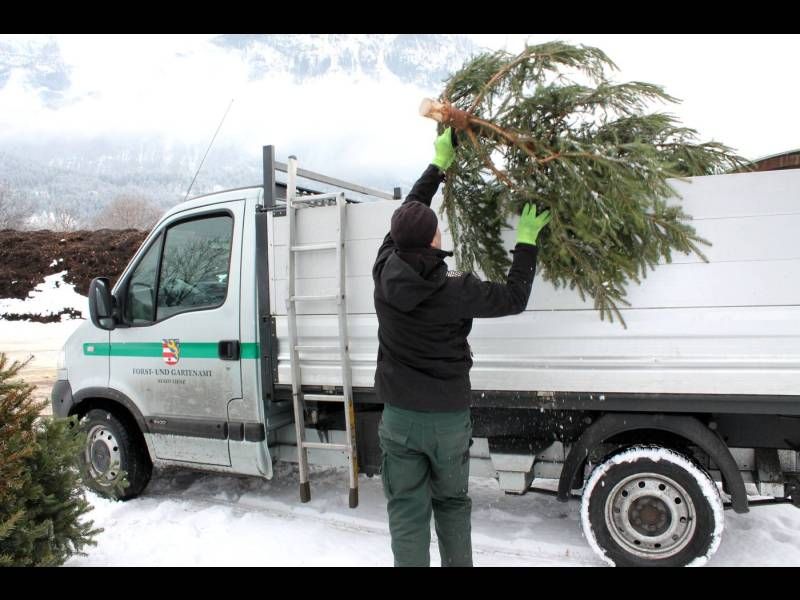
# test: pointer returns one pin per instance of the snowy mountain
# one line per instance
(40, 65)
(85, 176)
(138, 119)
(422, 59)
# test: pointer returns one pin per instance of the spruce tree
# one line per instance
(41, 500)
(548, 125)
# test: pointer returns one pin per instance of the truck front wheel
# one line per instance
(112, 447)
(650, 506)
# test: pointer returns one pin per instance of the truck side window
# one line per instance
(141, 301)
(194, 266)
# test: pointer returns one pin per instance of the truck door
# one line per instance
(178, 357)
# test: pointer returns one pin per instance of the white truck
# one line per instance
(241, 327)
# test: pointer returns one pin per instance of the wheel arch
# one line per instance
(688, 428)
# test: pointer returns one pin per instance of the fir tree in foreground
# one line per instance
(41, 499)
(548, 125)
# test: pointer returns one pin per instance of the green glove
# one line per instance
(530, 225)
(445, 154)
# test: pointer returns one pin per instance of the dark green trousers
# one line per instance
(426, 469)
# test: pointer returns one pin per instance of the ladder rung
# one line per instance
(313, 298)
(323, 397)
(312, 247)
(320, 348)
(323, 446)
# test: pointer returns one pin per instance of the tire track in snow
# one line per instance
(543, 557)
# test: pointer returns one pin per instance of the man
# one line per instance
(424, 316)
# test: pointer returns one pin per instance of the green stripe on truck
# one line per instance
(154, 349)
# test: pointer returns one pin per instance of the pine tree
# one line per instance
(548, 125)
(41, 501)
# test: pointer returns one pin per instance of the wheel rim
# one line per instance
(650, 515)
(102, 455)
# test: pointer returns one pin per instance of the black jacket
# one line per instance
(425, 314)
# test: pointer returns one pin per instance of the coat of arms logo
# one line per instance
(171, 351)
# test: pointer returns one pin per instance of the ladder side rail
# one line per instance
(291, 309)
(344, 345)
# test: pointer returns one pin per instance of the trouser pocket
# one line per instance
(393, 438)
(453, 442)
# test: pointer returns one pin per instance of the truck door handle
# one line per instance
(229, 349)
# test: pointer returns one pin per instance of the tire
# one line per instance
(650, 506)
(111, 446)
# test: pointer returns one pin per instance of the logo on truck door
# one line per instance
(171, 351)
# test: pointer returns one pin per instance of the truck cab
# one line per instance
(182, 356)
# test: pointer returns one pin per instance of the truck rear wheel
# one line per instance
(650, 506)
(112, 447)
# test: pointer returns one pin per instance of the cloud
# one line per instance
(735, 89)
(179, 88)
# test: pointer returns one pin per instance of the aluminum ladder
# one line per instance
(293, 204)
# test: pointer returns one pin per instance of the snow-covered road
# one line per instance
(191, 518)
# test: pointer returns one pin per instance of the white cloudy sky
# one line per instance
(738, 89)
(742, 90)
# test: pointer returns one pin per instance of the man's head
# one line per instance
(415, 225)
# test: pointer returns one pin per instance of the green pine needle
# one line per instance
(557, 131)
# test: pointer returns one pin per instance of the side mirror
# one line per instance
(101, 304)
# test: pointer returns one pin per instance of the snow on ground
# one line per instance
(192, 518)
(21, 339)
(48, 298)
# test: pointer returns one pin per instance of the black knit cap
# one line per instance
(413, 225)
